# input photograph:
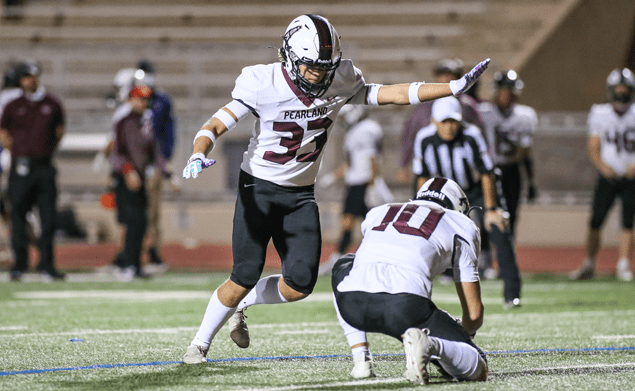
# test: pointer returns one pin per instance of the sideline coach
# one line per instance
(31, 128)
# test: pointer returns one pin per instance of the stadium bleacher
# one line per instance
(198, 48)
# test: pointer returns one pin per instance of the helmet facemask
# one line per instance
(321, 47)
(621, 87)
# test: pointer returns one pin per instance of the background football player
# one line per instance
(362, 145)
(611, 148)
(295, 103)
(509, 128)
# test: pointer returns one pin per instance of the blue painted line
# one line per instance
(235, 359)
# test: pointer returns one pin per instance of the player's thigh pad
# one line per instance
(390, 314)
(603, 198)
(297, 236)
(628, 203)
(355, 203)
(252, 229)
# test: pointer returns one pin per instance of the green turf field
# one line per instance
(568, 335)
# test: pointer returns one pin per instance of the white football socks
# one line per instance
(266, 291)
(459, 359)
(215, 317)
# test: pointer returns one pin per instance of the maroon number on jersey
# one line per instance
(294, 142)
(401, 224)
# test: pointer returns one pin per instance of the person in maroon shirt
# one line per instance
(135, 149)
(31, 127)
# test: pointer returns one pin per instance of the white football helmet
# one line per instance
(509, 79)
(620, 77)
(446, 193)
(312, 41)
(123, 83)
(352, 114)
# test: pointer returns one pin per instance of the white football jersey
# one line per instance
(292, 129)
(617, 134)
(506, 134)
(361, 144)
(406, 245)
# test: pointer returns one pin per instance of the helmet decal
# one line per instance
(446, 193)
(311, 41)
(325, 40)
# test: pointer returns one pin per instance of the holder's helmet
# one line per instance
(446, 193)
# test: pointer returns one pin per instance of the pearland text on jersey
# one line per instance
(301, 114)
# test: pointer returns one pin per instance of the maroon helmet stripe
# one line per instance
(437, 184)
(324, 35)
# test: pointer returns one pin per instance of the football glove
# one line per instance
(196, 164)
(463, 84)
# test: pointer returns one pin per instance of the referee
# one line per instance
(454, 149)
(31, 128)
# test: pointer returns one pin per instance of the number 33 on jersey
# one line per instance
(292, 129)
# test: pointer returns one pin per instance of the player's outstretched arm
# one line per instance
(205, 141)
(413, 93)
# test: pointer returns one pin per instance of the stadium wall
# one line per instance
(192, 223)
(568, 70)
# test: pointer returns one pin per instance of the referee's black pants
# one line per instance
(505, 253)
(511, 185)
(34, 188)
(132, 211)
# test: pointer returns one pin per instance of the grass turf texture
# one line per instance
(567, 335)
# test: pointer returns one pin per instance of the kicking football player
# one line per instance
(386, 286)
(296, 102)
(509, 128)
(611, 147)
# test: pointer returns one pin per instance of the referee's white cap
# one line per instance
(446, 108)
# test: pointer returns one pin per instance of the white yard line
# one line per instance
(303, 332)
(616, 337)
(570, 314)
(144, 295)
(331, 385)
(10, 328)
(565, 367)
(173, 330)
(125, 295)
(102, 332)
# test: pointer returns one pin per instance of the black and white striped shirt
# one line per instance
(464, 159)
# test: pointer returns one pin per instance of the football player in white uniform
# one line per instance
(362, 145)
(386, 286)
(611, 147)
(509, 128)
(296, 102)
